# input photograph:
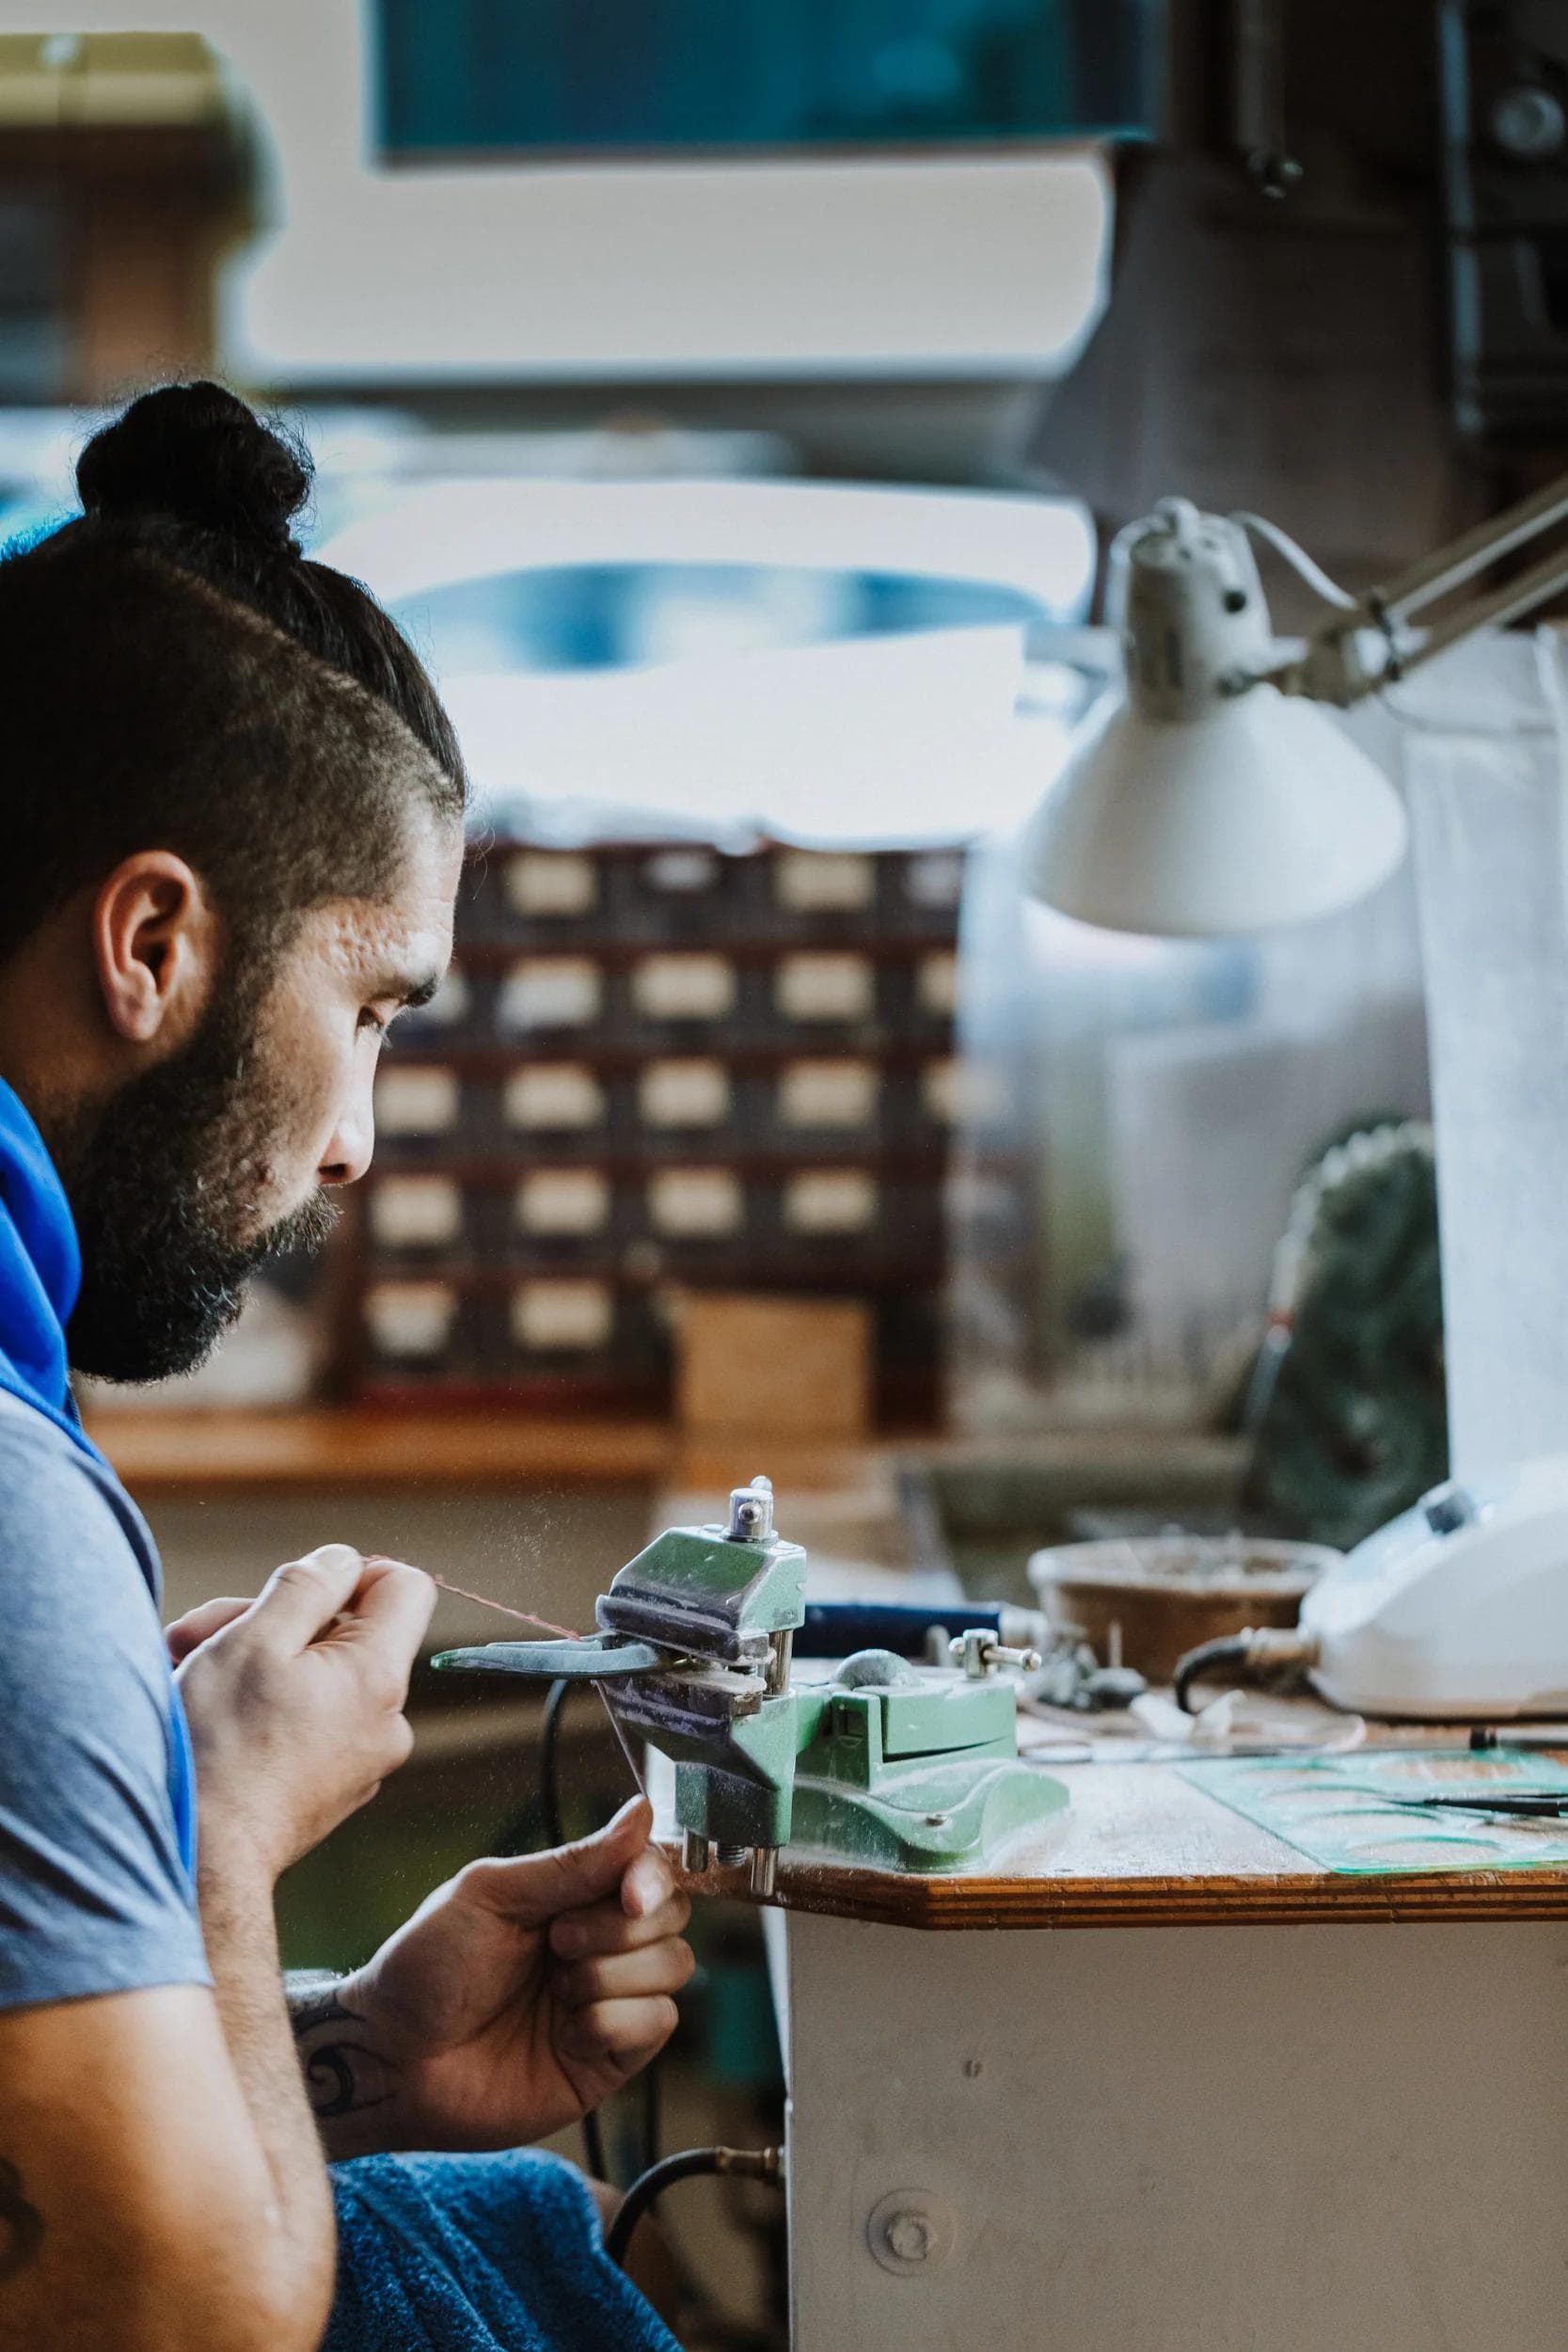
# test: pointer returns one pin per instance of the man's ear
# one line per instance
(155, 947)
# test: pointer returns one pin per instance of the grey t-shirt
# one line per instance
(93, 1897)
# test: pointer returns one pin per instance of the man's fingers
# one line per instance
(303, 1596)
(392, 1606)
(626, 1976)
(605, 1927)
(536, 1887)
(196, 1626)
(627, 2033)
(648, 1884)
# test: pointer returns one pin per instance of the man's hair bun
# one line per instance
(197, 453)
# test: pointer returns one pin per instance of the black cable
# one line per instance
(756, 2164)
(1233, 1650)
(555, 1835)
(592, 2146)
(648, 2153)
(549, 1762)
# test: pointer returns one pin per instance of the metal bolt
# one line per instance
(765, 1872)
(780, 1651)
(752, 1513)
(696, 1853)
(732, 1857)
(978, 1651)
(911, 2232)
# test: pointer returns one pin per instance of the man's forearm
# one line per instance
(355, 2088)
(236, 1903)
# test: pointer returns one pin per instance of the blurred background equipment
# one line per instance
(659, 1068)
(787, 1371)
(471, 80)
(1504, 79)
(1346, 1412)
(127, 179)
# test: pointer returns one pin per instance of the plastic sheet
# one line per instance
(1481, 743)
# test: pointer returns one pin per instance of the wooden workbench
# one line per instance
(1145, 1847)
(1251, 2134)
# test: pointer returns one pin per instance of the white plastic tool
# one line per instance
(1457, 1609)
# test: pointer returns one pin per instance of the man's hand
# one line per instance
(517, 1999)
(295, 1700)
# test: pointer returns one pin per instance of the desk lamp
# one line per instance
(1212, 799)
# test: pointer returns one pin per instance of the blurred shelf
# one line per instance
(173, 1453)
(416, 1049)
(686, 1267)
(501, 1169)
(742, 947)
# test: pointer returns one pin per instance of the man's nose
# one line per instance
(351, 1144)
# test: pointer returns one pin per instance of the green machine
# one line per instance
(886, 1764)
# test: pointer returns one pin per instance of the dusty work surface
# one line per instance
(1145, 1847)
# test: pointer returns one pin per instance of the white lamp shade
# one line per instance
(1258, 812)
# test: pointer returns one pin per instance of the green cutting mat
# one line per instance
(1339, 1810)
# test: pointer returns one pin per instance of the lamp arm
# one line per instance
(1332, 667)
(1450, 567)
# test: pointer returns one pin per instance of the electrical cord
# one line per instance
(1231, 1651)
(1299, 561)
(1261, 1649)
(751, 2164)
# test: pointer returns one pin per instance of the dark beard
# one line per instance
(162, 1181)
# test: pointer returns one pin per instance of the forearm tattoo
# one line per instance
(344, 2074)
(20, 2224)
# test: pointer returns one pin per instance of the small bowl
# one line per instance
(1168, 1593)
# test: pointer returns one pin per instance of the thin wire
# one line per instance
(524, 1616)
(624, 1741)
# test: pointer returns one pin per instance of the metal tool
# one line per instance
(1537, 1804)
(887, 1765)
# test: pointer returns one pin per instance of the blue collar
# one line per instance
(41, 1275)
(40, 1272)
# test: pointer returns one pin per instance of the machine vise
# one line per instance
(885, 1764)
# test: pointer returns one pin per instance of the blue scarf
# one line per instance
(41, 1274)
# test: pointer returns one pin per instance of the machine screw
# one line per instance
(910, 2232)
(780, 1653)
(752, 1513)
(732, 1857)
(765, 1872)
(696, 1853)
(978, 1652)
